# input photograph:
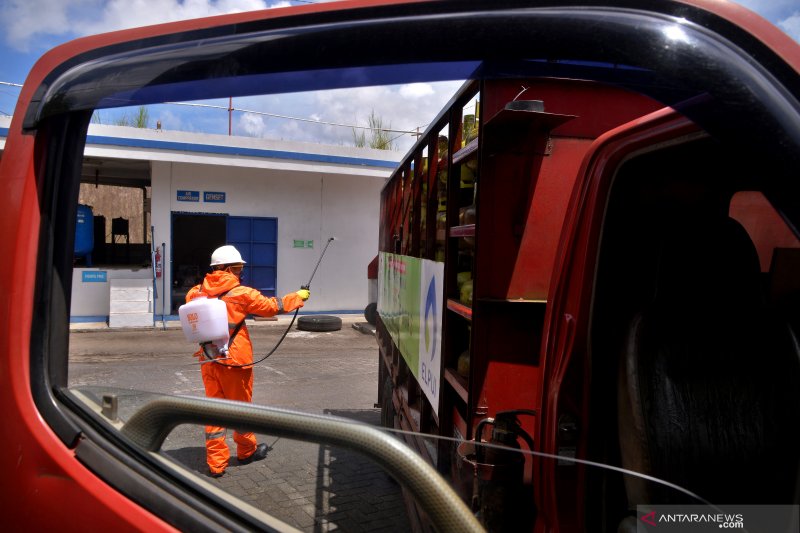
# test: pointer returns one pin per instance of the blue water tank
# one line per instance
(84, 231)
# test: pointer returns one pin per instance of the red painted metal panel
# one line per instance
(764, 225)
(459, 308)
(541, 235)
(566, 323)
(598, 108)
(50, 487)
(467, 230)
(372, 269)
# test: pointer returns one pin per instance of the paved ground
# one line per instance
(311, 487)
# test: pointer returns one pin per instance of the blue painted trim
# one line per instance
(236, 151)
(86, 319)
(231, 150)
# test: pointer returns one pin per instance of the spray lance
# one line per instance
(215, 324)
(307, 286)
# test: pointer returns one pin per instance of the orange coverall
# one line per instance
(228, 382)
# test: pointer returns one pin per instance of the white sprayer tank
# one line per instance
(205, 320)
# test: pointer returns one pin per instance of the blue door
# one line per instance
(257, 240)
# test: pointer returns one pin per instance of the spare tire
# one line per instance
(319, 323)
(371, 313)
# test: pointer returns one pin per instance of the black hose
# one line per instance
(263, 358)
(306, 286)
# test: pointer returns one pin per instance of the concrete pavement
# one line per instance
(309, 486)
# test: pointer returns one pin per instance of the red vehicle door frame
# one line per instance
(568, 319)
(37, 428)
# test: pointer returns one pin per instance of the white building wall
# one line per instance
(350, 213)
(161, 220)
(308, 205)
(90, 293)
(315, 192)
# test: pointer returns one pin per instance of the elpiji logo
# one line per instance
(649, 518)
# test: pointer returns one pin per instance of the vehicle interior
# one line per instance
(694, 340)
(672, 256)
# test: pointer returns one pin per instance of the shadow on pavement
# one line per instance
(359, 495)
(312, 487)
(193, 457)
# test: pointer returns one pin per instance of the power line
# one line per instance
(9, 85)
(287, 117)
(275, 115)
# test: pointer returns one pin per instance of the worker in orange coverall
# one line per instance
(235, 381)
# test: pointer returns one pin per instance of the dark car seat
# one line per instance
(709, 395)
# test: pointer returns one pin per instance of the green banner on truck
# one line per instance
(410, 304)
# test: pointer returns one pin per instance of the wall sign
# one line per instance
(298, 243)
(94, 276)
(215, 197)
(188, 196)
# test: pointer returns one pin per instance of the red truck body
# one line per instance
(557, 202)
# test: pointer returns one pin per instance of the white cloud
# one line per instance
(253, 125)
(791, 26)
(25, 21)
(399, 107)
(415, 90)
(122, 14)
(769, 9)
(349, 107)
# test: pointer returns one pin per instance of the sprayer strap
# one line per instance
(235, 331)
(238, 326)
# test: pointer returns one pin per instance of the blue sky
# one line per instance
(31, 27)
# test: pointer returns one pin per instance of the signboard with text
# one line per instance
(188, 196)
(214, 197)
(94, 276)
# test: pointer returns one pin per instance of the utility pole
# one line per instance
(230, 114)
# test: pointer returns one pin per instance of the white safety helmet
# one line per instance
(226, 255)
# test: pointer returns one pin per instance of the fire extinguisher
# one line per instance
(504, 502)
(159, 267)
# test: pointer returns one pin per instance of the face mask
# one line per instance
(240, 275)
